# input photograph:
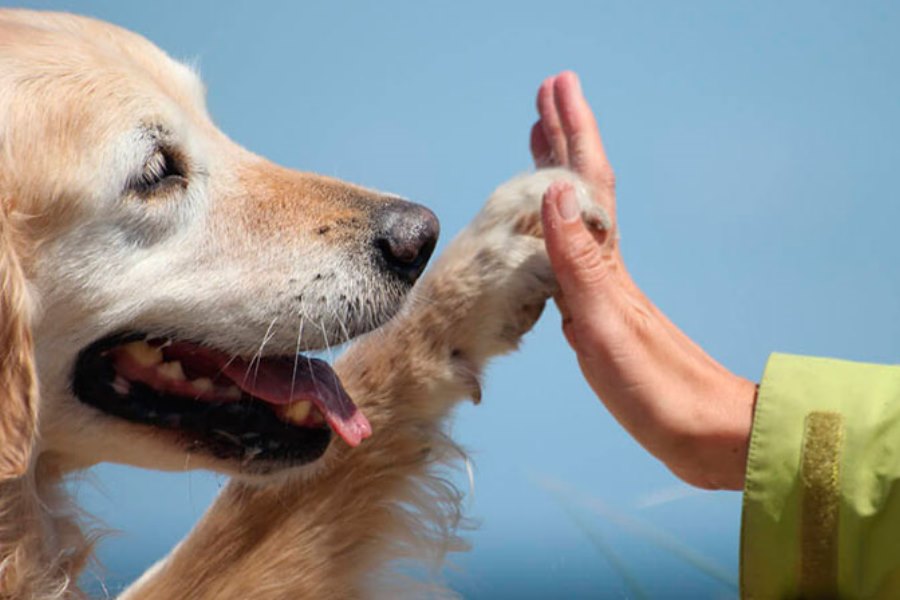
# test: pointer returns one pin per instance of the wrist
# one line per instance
(712, 452)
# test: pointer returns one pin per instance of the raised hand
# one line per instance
(679, 403)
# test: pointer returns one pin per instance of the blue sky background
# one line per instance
(757, 151)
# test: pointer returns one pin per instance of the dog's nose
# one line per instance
(406, 236)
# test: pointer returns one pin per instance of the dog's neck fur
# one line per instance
(42, 546)
(409, 512)
(328, 538)
(382, 503)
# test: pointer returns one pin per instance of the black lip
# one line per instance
(247, 431)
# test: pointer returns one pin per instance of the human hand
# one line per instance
(679, 403)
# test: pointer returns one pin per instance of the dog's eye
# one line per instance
(162, 170)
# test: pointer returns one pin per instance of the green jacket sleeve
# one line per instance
(821, 513)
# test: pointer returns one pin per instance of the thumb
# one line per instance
(578, 258)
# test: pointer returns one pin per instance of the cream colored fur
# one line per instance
(80, 260)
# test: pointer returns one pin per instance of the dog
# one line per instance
(160, 285)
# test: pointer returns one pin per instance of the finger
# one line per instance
(540, 148)
(578, 260)
(551, 124)
(584, 146)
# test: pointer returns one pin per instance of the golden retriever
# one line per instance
(158, 286)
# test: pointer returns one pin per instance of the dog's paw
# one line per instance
(515, 206)
(500, 263)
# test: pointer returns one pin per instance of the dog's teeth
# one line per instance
(203, 385)
(298, 411)
(317, 418)
(144, 354)
(232, 393)
(171, 370)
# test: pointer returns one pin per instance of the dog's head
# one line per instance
(171, 276)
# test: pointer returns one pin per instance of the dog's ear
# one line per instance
(18, 380)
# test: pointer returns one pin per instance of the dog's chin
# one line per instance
(253, 418)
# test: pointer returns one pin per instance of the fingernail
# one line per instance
(566, 205)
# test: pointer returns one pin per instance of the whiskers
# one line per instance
(297, 353)
(257, 358)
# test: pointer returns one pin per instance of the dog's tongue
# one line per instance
(279, 381)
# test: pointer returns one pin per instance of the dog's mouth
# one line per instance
(267, 409)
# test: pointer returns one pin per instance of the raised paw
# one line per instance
(495, 277)
(515, 206)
